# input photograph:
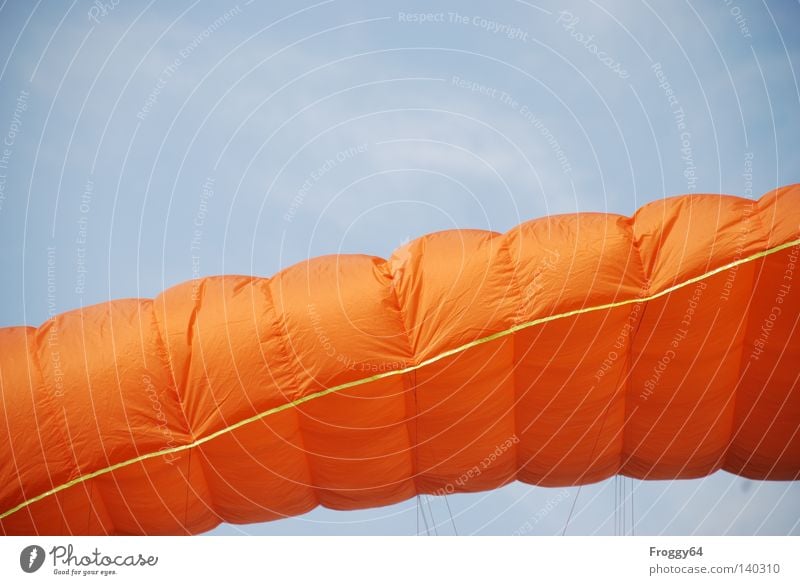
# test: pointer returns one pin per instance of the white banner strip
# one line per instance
(378, 560)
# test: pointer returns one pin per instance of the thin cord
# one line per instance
(614, 509)
(449, 511)
(433, 520)
(594, 447)
(616, 505)
(572, 509)
(424, 518)
(417, 500)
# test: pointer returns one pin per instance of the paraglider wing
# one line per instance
(567, 350)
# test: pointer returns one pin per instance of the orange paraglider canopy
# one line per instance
(567, 350)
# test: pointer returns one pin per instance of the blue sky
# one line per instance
(296, 129)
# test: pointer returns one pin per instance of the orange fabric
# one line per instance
(676, 385)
